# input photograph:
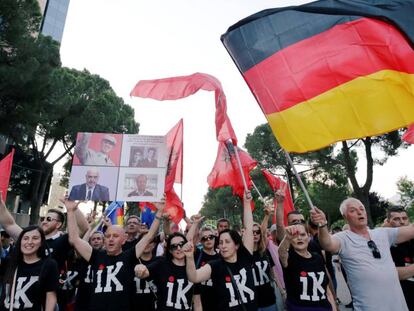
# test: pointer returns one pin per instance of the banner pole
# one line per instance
(240, 167)
(257, 190)
(302, 186)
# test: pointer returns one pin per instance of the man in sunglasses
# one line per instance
(366, 257)
(403, 254)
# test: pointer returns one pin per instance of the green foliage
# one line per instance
(406, 191)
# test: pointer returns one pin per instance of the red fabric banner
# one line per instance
(226, 171)
(174, 206)
(150, 205)
(175, 156)
(5, 171)
(183, 86)
(409, 135)
(276, 183)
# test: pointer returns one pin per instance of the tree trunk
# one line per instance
(41, 180)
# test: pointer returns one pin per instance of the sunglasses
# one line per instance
(49, 219)
(174, 247)
(208, 238)
(297, 222)
(257, 232)
(373, 247)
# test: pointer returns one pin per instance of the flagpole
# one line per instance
(257, 190)
(302, 186)
(240, 168)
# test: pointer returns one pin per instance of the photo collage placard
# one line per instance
(121, 167)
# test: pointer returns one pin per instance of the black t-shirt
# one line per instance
(113, 280)
(205, 289)
(33, 281)
(242, 270)
(129, 244)
(84, 292)
(403, 256)
(145, 291)
(59, 249)
(174, 291)
(306, 281)
(265, 294)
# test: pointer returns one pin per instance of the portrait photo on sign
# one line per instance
(92, 183)
(97, 149)
(141, 184)
(143, 151)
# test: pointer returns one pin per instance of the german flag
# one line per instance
(329, 70)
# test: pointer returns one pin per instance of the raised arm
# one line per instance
(285, 244)
(146, 239)
(81, 246)
(280, 226)
(195, 226)
(248, 222)
(195, 275)
(81, 222)
(326, 240)
(7, 220)
(81, 147)
(268, 210)
(405, 233)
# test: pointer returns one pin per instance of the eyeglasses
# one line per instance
(373, 247)
(49, 219)
(257, 232)
(297, 222)
(208, 238)
(174, 247)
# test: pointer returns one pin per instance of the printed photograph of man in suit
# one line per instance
(90, 190)
(141, 183)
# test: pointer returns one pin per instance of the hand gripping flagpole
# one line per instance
(302, 186)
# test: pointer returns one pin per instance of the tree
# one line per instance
(406, 191)
(330, 167)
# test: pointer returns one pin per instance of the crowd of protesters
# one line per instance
(135, 267)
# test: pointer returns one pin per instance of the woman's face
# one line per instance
(300, 241)
(176, 247)
(256, 233)
(227, 246)
(31, 242)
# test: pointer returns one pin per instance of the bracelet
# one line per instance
(322, 225)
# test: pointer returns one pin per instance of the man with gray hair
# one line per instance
(366, 257)
(90, 190)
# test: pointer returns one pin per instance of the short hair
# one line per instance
(61, 216)
(295, 212)
(133, 216)
(206, 228)
(223, 220)
(395, 209)
(169, 239)
(344, 205)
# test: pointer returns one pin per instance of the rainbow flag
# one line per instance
(330, 70)
(115, 212)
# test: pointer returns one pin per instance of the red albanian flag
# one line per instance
(226, 171)
(174, 206)
(183, 86)
(409, 135)
(276, 183)
(175, 156)
(5, 171)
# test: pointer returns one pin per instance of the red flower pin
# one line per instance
(407, 259)
(171, 279)
(228, 279)
(101, 266)
(303, 273)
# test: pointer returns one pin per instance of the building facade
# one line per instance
(54, 17)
